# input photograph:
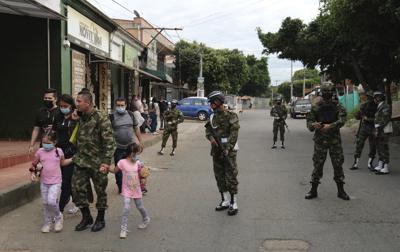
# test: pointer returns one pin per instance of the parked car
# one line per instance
(197, 107)
(300, 107)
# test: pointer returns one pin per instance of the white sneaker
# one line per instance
(144, 224)
(384, 170)
(379, 167)
(46, 228)
(123, 234)
(73, 210)
(58, 226)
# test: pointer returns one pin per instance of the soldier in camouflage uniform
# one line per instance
(326, 118)
(222, 131)
(279, 112)
(95, 148)
(172, 118)
(366, 115)
(382, 119)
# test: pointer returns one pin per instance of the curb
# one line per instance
(26, 192)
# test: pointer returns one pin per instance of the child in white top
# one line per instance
(130, 168)
(50, 180)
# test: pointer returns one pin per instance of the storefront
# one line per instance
(89, 37)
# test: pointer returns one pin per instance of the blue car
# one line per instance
(195, 107)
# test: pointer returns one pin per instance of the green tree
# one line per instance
(259, 80)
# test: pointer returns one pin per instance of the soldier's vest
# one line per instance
(369, 111)
(327, 113)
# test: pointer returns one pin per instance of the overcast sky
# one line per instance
(219, 23)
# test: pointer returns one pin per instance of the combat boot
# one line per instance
(283, 145)
(379, 167)
(273, 146)
(86, 221)
(384, 170)
(341, 193)
(99, 224)
(172, 152)
(224, 202)
(371, 164)
(313, 193)
(233, 207)
(355, 164)
(161, 152)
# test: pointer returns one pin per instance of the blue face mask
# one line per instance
(65, 111)
(120, 110)
(47, 146)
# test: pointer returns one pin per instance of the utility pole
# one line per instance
(304, 81)
(200, 79)
(291, 80)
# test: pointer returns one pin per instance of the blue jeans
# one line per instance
(153, 125)
(118, 155)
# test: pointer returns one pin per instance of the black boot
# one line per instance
(172, 152)
(313, 193)
(355, 164)
(283, 145)
(341, 193)
(99, 224)
(86, 221)
(233, 207)
(273, 146)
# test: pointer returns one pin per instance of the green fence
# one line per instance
(350, 101)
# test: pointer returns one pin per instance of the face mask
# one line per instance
(65, 111)
(48, 104)
(120, 110)
(47, 146)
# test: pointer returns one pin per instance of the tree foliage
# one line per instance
(352, 39)
(223, 69)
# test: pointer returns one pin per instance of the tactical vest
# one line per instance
(327, 113)
(369, 110)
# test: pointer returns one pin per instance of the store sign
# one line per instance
(131, 56)
(78, 71)
(86, 33)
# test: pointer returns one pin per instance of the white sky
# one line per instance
(220, 23)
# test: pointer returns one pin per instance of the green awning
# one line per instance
(159, 74)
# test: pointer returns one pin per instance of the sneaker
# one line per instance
(123, 234)
(58, 226)
(46, 228)
(73, 210)
(273, 146)
(144, 224)
(155, 133)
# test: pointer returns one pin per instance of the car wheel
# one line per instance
(202, 116)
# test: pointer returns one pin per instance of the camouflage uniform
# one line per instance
(224, 126)
(280, 114)
(172, 118)
(366, 129)
(334, 114)
(382, 118)
(95, 146)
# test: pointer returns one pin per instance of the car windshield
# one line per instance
(303, 102)
(200, 102)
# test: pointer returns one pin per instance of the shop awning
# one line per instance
(141, 71)
(28, 8)
(159, 74)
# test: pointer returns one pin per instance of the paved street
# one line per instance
(272, 183)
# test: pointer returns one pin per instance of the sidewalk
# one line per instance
(15, 186)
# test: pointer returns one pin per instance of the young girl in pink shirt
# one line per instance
(51, 159)
(131, 190)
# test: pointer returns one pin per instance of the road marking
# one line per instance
(285, 245)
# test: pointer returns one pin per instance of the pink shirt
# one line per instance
(51, 172)
(130, 178)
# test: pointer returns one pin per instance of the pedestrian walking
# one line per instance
(125, 128)
(366, 115)
(279, 112)
(153, 107)
(64, 125)
(163, 104)
(45, 116)
(95, 148)
(131, 189)
(51, 158)
(383, 129)
(325, 119)
(222, 130)
(173, 117)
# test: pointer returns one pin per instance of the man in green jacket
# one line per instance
(95, 148)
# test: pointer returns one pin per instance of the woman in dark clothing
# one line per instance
(64, 126)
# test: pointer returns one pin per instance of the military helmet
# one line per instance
(378, 93)
(327, 87)
(216, 95)
(174, 101)
(369, 93)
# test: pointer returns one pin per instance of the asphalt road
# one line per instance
(272, 183)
